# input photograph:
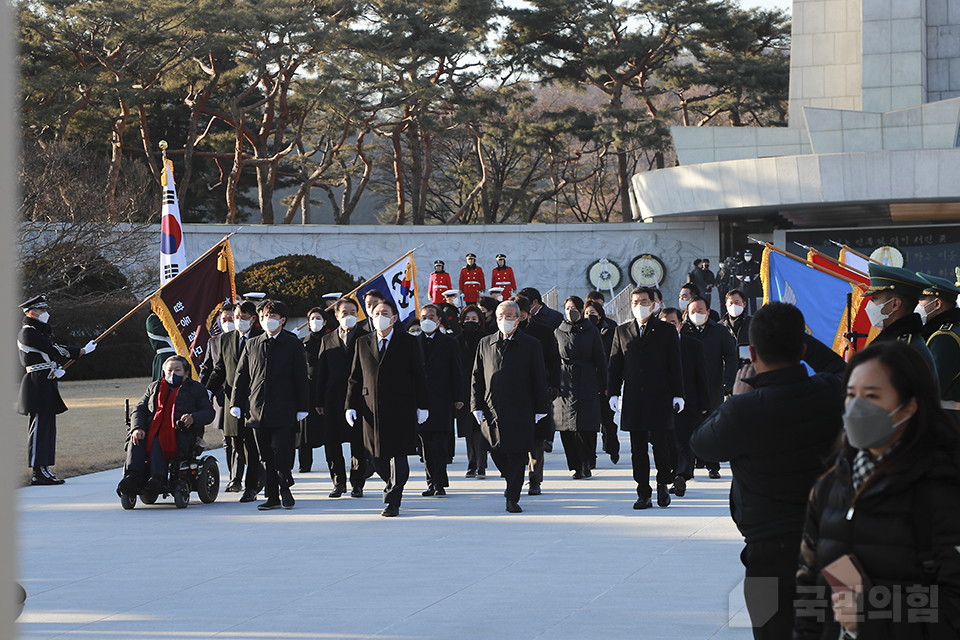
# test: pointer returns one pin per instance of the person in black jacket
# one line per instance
(734, 319)
(473, 330)
(892, 501)
(645, 362)
(161, 429)
(509, 396)
(309, 434)
(387, 392)
(445, 393)
(540, 312)
(776, 431)
(210, 358)
(593, 310)
(272, 392)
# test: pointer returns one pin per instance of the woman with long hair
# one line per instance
(473, 327)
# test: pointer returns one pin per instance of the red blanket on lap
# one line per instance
(163, 419)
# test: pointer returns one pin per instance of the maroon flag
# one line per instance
(189, 305)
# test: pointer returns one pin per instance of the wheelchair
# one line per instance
(188, 471)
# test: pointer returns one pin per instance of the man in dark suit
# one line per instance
(333, 369)
(540, 312)
(508, 396)
(387, 392)
(720, 352)
(696, 400)
(371, 299)
(210, 358)
(239, 443)
(441, 362)
(273, 392)
(645, 361)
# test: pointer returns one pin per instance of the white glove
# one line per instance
(539, 416)
(90, 347)
(422, 415)
(235, 412)
(59, 372)
(351, 416)
(302, 415)
(678, 404)
(209, 395)
(615, 403)
(479, 416)
(746, 278)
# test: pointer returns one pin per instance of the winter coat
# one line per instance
(39, 393)
(583, 373)
(271, 385)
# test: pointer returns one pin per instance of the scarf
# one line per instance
(162, 424)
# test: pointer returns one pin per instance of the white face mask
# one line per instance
(641, 313)
(921, 310)
(316, 325)
(348, 322)
(227, 327)
(747, 258)
(699, 319)
(382, 323)
(272, 325)
(506, 326)
(656, 307)
(243, 325)
(734, 310)
(428, 326)
(44, 317)
(875, 312)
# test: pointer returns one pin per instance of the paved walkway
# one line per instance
(578, 563)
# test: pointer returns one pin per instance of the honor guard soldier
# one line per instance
(39, 395)
(496, 293)
(894, 293)
(439, 282)
(161, 344)
(452, 297)
(938, 310)
(502, 276)
(471, 280)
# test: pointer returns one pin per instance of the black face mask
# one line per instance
(471, 326)
(523, 324)
(174, 380)
(594, 319)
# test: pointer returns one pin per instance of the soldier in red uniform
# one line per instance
(502, 276)
(471, 280)
(439, 282)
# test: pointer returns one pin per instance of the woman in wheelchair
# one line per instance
(169, 418)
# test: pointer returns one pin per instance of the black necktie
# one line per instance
(383, 345)
(243, 341)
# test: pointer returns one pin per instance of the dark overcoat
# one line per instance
(441, 363)
(192, 398)
(39, 393)
(583, 375)
(650, 370)
(271, 386)
(696, 392)
(333, 368)
(386, 393)
(311, 428)
(469, 343)
(223, 375)
(720, 352)
(210, 358)
(510, 387)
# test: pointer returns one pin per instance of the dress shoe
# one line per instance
(269, 505)
(679, 487)
(337, 492)
(587, 473)
(440, 492)
(471, 473)
(614, 458)
(155, 484)
(357, 492)
(643, 503)
(52, 476)
(578, 475)
(391, 511)
(39, 479)
(248, 496)
(429, 493)
(234, 487)
(714, 474)
(286, 498)
(534, 490)
(305, 469)
(513, 507)
(481, 474)
(663, 496)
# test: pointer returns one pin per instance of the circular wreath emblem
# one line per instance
(604, 275)
(647, 270)
(890, 256)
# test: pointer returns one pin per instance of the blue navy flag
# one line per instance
(397, 282)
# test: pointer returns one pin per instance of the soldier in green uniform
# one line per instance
(160, 342)
(938, 308)
(894, 293)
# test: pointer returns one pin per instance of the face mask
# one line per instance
(734, 310)
(227, 327)
(595, 319)
(271, 325)
(868, 425)
(316, 325)
(523, 324)
(506, 326)
(747, 258)
(875, 313)
(243, 325)
(681, 303)
(382, 323)
(921, 310)
(573, 315)
(656, 307)
(44, 317)
(174, 380)
(699, 319)
(428, 326)
(348, 322)
(470, 326)
(641, 313)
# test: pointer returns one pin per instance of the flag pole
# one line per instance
(833, 260)
(853, 251)
(810, 264)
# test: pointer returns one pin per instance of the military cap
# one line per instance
(496, 289)
(451, 292)
(36, 302)
(336, 295)
(438, 263)
(939, 286)
(471, 255)
(254, 296)
(500, 255)
(895, 279)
